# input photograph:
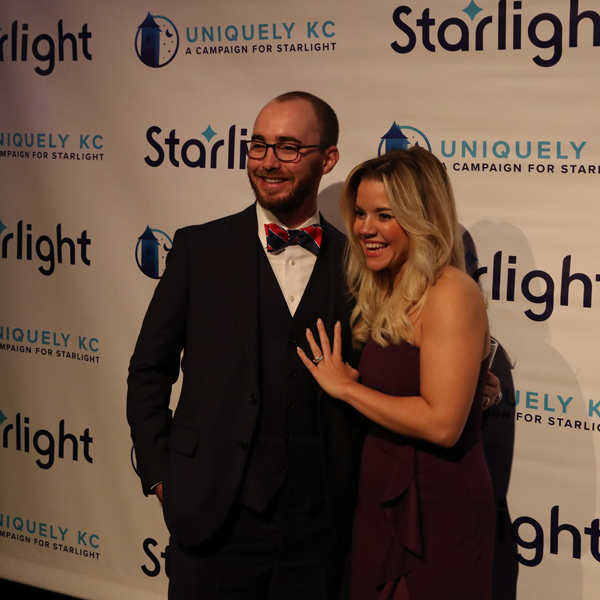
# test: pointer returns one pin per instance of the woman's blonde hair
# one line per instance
(421, 199)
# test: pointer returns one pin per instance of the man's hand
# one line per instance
(158, 492)
(491, 394)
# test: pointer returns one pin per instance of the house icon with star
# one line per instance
(394, 139)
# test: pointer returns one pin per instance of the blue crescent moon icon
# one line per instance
(168, 34)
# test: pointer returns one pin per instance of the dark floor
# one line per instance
(9, 590)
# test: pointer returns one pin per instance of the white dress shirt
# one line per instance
(292, 265)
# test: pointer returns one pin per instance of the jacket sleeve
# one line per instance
(155, 365)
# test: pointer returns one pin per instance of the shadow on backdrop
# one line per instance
(328, 205)
(498, 443)
(555, 477)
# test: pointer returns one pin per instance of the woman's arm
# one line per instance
(452, 332)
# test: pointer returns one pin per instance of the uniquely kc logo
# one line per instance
(156, 41)
(401, 137)
(151, 252)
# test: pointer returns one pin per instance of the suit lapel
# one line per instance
(333, 265)
(326, 278)
(241, 268)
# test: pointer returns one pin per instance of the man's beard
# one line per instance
(295, 198)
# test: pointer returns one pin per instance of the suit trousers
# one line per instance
(284, 553)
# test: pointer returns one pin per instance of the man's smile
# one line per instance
(274, 179)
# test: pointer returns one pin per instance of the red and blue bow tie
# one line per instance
(309, 237)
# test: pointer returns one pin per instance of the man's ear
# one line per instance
(332, 155)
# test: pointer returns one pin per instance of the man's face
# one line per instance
(283, 187)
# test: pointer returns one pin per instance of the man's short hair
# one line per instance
(328, 120)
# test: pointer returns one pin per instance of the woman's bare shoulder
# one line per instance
(453, 294)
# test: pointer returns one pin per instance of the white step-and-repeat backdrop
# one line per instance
(122, 121)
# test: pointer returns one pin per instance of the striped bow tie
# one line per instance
(309, 237)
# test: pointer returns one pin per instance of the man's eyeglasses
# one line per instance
(284, 151)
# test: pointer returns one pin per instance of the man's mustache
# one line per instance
(271, 174)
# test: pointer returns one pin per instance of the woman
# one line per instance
(424, 526)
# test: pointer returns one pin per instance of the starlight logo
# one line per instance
(156, 41)
(506, 28)
(18, 42)
(509, 283)
(51, 250)
(19, 435)
(401, 137)
(196, 153)
(151, 252)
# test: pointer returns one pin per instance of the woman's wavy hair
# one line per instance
(421, 199)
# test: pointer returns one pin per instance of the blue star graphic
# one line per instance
(209, 134)
(472, 10)
(3, 418)
(2, 227)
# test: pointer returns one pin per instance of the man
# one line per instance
(256, 468)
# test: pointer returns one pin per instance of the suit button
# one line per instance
(291, 405)
(253, 399)
(282, 470)
(292, 375)
(243, 445)
(287, 438)
(292, 342)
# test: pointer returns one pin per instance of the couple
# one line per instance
(257, 469)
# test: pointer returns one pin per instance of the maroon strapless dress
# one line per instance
(425, 521)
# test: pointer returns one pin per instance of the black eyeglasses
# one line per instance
(284, 151)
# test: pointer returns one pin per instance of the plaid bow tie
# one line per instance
(309, 237)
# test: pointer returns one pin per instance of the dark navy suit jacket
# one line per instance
(206, 305)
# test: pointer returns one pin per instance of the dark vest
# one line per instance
(286, 444)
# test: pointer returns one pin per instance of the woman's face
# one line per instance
(383, 241)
